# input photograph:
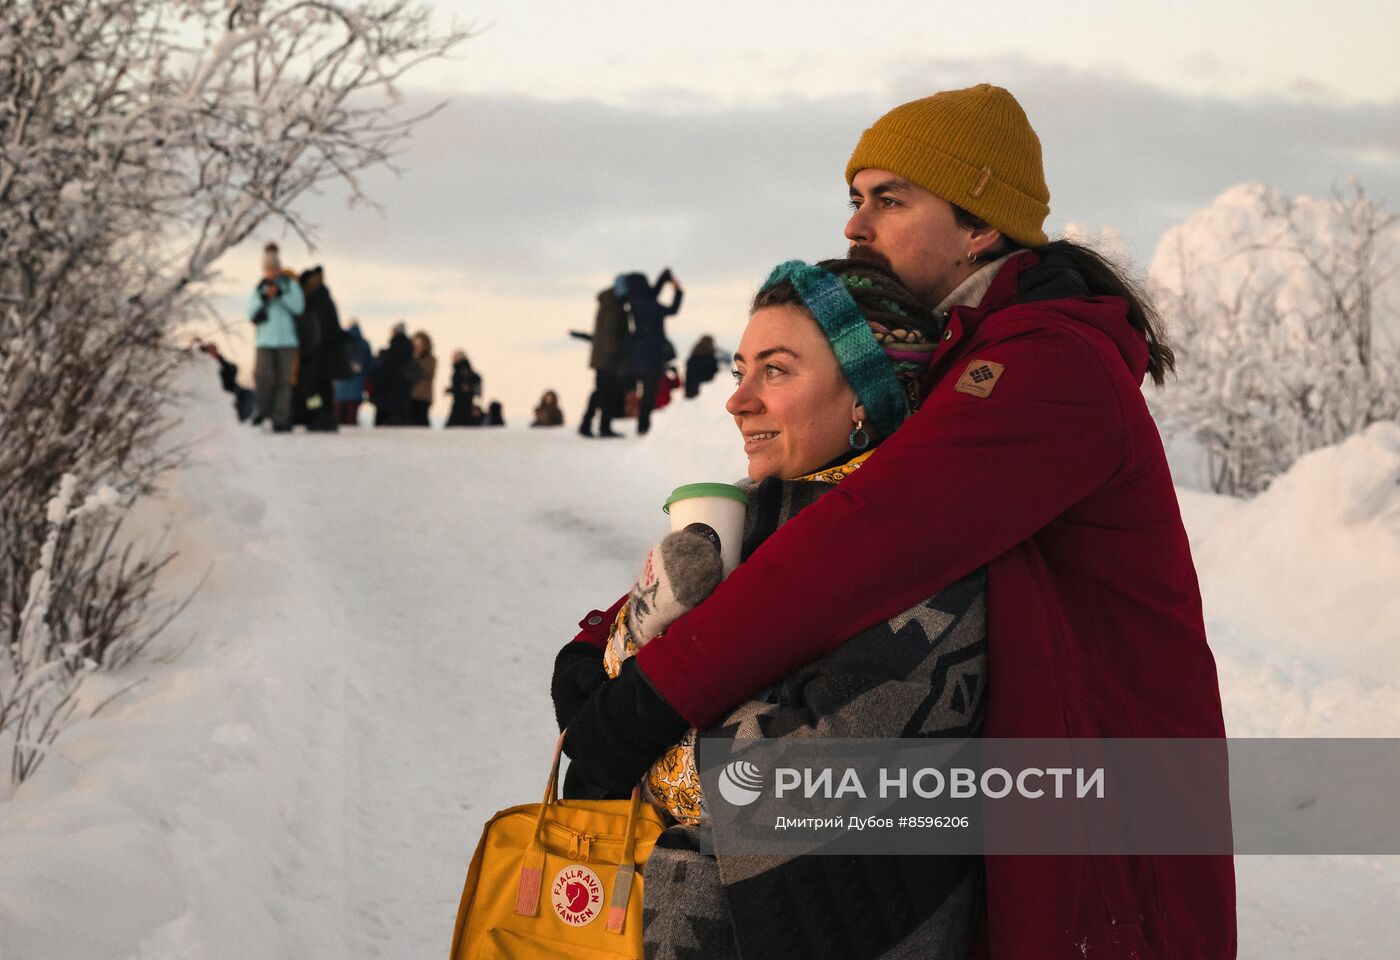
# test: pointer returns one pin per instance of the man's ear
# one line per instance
(982, 240)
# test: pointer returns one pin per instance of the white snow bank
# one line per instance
(170, 824)
(1301, 587)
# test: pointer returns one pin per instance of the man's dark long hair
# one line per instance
(1103, 278)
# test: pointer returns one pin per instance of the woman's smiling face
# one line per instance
(792, 403)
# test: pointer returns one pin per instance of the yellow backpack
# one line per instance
(558, 879)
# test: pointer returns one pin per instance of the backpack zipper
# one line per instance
(580, 844)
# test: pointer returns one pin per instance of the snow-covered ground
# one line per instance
(364, 680)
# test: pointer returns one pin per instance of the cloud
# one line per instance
(525, 193)
(529, 194)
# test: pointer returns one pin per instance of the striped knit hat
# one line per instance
(865, 361)
(974, 148)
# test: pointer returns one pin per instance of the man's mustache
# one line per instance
(870, 255)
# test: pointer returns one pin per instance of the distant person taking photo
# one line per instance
(274, 306)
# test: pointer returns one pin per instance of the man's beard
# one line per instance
(870, 255)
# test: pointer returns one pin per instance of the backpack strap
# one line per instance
(527, 895)
(622, 883)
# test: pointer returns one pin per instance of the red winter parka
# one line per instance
(1034, 454)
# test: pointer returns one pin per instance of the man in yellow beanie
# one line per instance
(1033, 454)
(955, 178)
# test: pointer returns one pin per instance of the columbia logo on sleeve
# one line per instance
(980, 378)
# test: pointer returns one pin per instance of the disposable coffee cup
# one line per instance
(714, 510)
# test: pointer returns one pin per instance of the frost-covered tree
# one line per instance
(1285, 316)
(139, 141)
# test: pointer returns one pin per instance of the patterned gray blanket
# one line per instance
(920, 674)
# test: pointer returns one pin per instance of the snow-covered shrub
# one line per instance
(140, 140)
(1284, 318)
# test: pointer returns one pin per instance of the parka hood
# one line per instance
(1029, 277)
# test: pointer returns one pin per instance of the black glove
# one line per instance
(623, 728)
(578, 787)
(260, 316)
(578, 671)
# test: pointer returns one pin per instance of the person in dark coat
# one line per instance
(701, 367)
(610, 359)
(228, 378)
(394, 375)
(494, 415)
(465, 386)
(350, 390)
(322, 352)
(651, 351)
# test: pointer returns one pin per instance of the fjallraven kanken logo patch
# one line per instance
(577, 894)
(979, 378)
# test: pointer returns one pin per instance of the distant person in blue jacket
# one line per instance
(274, 306)
(350, 391)
(652, 352)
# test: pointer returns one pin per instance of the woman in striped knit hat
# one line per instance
(829, 365)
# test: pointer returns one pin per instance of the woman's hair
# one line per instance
(704, 347)
(1103, 279)
(879, 294)
(427, 341)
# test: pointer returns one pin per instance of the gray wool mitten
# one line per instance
(680, 571)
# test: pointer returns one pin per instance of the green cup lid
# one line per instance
(691, 490)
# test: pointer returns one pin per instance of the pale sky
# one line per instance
(735, 53)
(588, 138)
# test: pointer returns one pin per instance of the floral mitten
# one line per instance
(679, 572)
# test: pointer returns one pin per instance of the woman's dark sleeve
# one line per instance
(578, 667)
(675, 303)
(578, 671)
(621, 730)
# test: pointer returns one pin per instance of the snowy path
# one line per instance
(451, 620)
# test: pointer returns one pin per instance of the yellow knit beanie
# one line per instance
(974, 148)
